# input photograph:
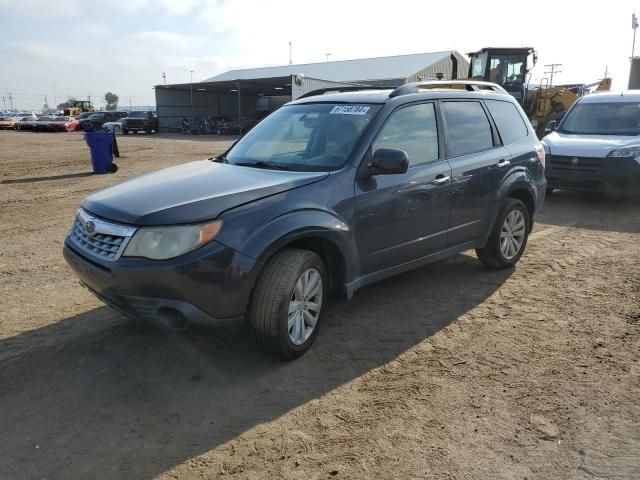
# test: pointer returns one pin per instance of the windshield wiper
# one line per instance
(261, 164)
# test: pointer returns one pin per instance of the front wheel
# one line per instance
(287, 303)
(509, 236)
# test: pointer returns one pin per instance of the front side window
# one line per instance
(510, 124)
(468, 128)
(412, 129)
(306, 137)
(612, 118)
(478, 65)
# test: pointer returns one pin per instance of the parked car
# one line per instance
(8, 123)
(115, 127)
(83, 115)
(140, 121)
(25, 123)
(42, 124)
(98, 119)
(328, 193)
(596, 146)
(63, 124)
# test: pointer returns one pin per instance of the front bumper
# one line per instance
(615, 175)
(211, 285)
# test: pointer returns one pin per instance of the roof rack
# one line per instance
(339, 89)
(469, 85)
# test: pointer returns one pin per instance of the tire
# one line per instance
(113, 168)
(125, 131)
(116, 129)
(276, 293)
(493, 254)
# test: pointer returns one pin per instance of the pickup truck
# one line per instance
(146, 121)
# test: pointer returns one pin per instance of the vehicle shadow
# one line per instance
(95, 397)
(198, 138)
(592, 211)
(47, 178)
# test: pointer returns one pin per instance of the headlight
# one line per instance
(547, 150)
(631, 151)
(160, 243)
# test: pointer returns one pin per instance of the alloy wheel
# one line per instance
(305, 306)
(512, 234)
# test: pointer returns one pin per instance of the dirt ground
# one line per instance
(452, 371)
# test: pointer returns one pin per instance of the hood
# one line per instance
(191, 193)
(586, 145)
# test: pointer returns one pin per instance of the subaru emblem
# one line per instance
(90, 227)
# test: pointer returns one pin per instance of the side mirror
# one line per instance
(389, 161)
(551, 126)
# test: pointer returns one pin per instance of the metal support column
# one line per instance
(239, 107)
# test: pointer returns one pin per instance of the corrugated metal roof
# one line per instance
(399, 66)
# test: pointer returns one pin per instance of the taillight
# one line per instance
(540, 152)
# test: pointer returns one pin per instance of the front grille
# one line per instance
(576, 164)
(106, 241)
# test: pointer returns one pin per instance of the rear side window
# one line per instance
(510, 124)
(412, 129)
(468, 128)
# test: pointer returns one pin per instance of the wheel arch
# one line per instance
(315, 230)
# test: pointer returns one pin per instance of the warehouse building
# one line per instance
(243, 96)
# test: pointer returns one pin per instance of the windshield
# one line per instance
(138, 115)
(309, 137)
(616, 118)
(45, 119)
(507, 69)
(96, 115)
(61, 119)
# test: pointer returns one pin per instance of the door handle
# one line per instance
(440, 180)
(504, 163)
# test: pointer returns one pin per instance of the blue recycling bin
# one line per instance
(101, 148)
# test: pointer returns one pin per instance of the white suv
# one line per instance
(596, 146)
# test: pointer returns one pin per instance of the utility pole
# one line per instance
(55, 100)
(606, 71)
(290, 55)
(130, 107)
(10, 99)
(4, 104)
(191, 95)
(554, 68)
(89, 96)
(634, 26)
(46, 105)
(164, 78)
(328, 55)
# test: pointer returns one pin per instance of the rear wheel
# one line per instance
(116, 129)
(287, 303)
(509, 236)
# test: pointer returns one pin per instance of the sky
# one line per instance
(86, 47)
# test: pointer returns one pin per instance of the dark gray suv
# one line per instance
(329, 193)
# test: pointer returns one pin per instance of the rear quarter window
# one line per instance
(510, 123)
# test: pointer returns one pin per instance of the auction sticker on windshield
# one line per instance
(350, 109)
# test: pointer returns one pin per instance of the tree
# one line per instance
(66, 104)
(112, 100)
